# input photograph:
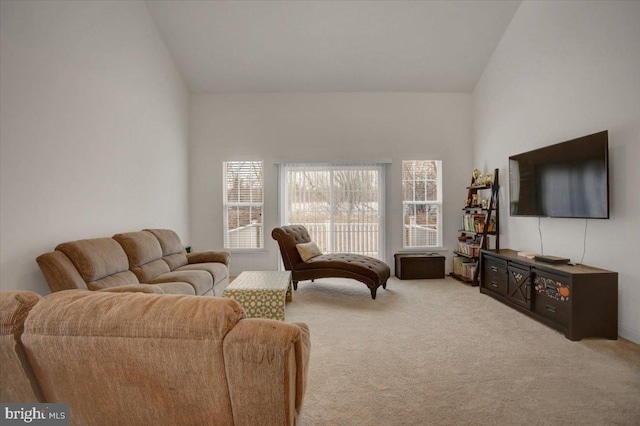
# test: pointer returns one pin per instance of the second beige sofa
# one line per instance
(147, 359)
(154, 258)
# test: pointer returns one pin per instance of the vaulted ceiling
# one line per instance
(332, 46)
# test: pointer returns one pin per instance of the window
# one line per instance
(340, 205)
(243, 202)
(422, 203)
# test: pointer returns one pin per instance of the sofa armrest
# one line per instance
(18, 380)
(303, 350)
(209, 256)
(259, 354)
(133, 288)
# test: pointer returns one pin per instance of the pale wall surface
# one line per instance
(564, 70)
(334, 127)
(93, 133)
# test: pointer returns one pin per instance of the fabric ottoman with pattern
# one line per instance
(262, 294)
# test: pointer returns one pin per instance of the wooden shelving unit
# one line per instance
(480, 224)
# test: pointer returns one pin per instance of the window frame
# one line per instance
(226, 204)
(438, 203)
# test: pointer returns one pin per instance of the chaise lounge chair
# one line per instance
(372, 272)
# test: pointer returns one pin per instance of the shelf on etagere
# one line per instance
(468, 256)
(461, 278)
(476, 232)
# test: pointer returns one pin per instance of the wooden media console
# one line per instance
(577, 300)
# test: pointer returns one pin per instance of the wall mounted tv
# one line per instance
(568, 179)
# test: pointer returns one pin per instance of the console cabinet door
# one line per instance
(519, 287)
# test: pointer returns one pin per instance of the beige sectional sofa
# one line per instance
(119, 359)
(148, 261)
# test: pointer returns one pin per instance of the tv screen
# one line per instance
(569, 179)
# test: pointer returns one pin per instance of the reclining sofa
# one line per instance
(372, 272)
(149, 261)
(121, 359)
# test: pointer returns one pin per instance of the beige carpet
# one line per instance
(437, 352)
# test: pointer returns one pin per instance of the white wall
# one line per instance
(564, 70)
(323, 127)
(93, 133)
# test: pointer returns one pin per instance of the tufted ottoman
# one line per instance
(372, 272)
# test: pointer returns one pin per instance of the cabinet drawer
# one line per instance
(494, 275)
(552, 296)
(551, 309)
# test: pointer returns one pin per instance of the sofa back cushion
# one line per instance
(146, 366)
(16, 375)
(59, 272)
(172, 249)
(144, 253)
(96, 258)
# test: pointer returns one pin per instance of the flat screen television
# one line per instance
(568, 179)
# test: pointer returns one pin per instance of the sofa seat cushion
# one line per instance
(374, 269)
(135, 288)
(201, 281)
(175, 288)
(219, 272)
(121, 278)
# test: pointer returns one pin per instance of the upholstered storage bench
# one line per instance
(412, 266)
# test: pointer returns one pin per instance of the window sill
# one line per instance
(246, 251)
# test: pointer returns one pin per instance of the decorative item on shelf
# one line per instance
(488, 179)
(485, 203)
(477, 174)
(466, 202)
(474, 200)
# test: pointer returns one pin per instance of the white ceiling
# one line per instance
(332, 46)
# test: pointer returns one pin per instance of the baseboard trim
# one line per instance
(629, 334)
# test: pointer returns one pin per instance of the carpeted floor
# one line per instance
(437, 352)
